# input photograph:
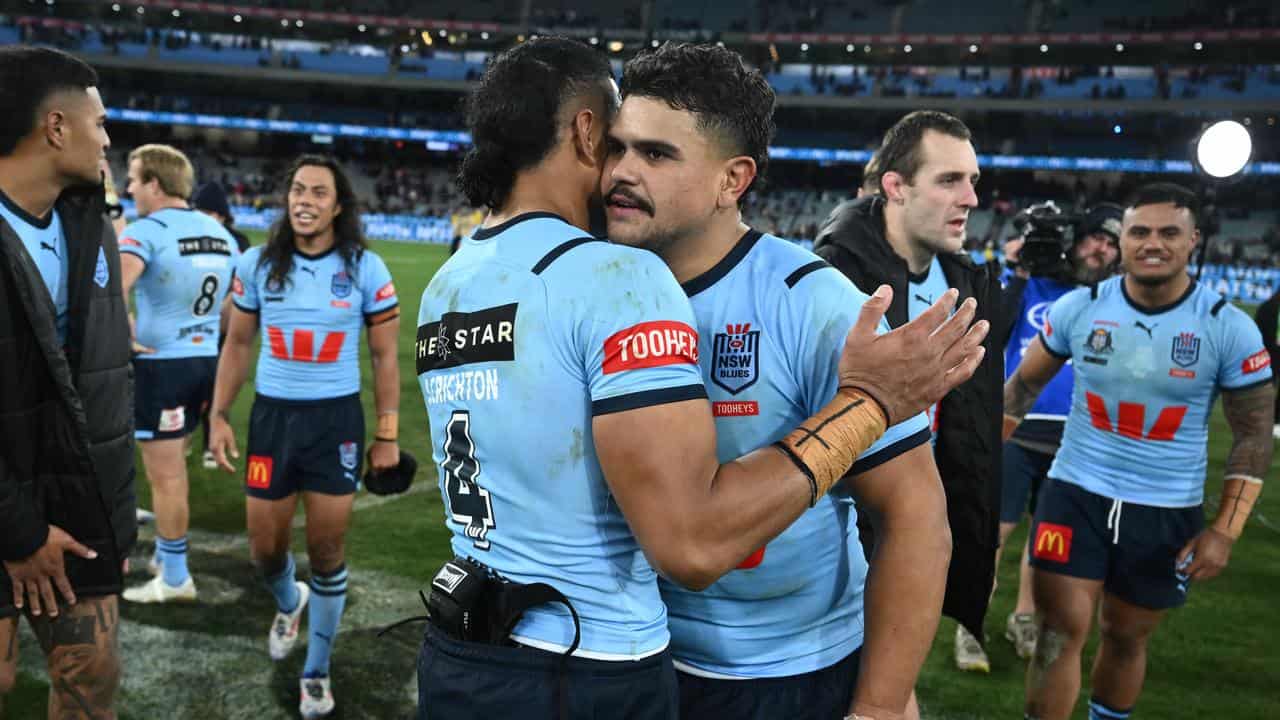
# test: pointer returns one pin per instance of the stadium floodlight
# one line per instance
(1222, 151)
(115, 7)
(237, 18)
(906, 48)
(804, 47)
(973, 48)
(1198, 46)
(1044, 48)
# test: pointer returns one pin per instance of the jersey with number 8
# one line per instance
(189, 259)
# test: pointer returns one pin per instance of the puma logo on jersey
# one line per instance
(1138, 324)
(308, 270)
(925, 300)
(46, 246)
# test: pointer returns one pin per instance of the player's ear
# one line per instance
(55, 128)
(739, 173)
(337, 209)
(585, 144)
(894, 187)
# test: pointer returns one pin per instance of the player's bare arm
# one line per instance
(1027, 382)
(384, 330)
(697, 519)
(131, 268)
(1249, 412)
(233, 370)
(913, 550)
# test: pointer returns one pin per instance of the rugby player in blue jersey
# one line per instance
(796, 626)
(1119, 524)
(575, 445)
(180, 261)
(310, 290)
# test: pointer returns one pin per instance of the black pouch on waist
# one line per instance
(470, 601)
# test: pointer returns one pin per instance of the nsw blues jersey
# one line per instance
(189, 260)
(1145, 383)
(923, 291)
(47, 246)
(311, 325)
(1045, 421)
(772, 321)
(525, 335)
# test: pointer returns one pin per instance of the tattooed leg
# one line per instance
(83, 652)
(8, 656)
(1065, 606)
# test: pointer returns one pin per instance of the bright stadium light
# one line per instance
(848, 48)
(1044, 48)
(361, 27)
(1222, 151)
(1119, 47)
(804, 47)
(906, 48)
(177, 12)
(1198, 46)
(484, 35)
(973, 48)
(115, 7)
(237, 18)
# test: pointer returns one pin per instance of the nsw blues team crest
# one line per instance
(101, 273)
(349, 455)
(340, 286)
(1186, 349)
(735, 358)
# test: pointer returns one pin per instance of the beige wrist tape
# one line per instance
(825, 446)
(1239, 494)
(388, 426)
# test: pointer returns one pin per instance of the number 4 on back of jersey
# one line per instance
(469, 503)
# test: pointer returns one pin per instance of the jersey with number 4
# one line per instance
(524, 336)
(1145, 383)
(772, 322)
(189, 259)
(311, 322)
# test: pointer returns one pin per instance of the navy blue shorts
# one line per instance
(824, 694)
(464, 681)
(304, 445)
(1132, 548)
(1024, 472)
(171, 395)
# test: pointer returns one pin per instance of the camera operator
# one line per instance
(1053, 254)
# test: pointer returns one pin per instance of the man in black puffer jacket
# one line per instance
(909, 236)
(66, 391)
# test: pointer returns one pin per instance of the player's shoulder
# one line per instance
(249, 259)
(144, 228)
(796, 271)
(588, 260)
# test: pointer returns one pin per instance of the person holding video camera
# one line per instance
(1052, 254)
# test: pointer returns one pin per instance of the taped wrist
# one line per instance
(388, 426)
(825, 446)
(1239, 494)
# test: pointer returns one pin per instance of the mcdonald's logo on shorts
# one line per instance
(1053, 542)
(258, 474)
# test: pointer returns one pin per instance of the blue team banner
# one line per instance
(451, 140)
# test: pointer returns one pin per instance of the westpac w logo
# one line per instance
(735, 358)
(1186, 349)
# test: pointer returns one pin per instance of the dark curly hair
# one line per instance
(727, 97)
(513, 115)
(348, 237)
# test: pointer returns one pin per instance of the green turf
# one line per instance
(1218, 655)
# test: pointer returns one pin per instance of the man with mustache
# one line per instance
(910, 235)
(1092, 257)
(781, 636)
(1119, 528)
(574, 444)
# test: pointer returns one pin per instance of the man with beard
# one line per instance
(1092, 257)
(1119, 527)
(66, 393)
(910, 235)
(798, 629)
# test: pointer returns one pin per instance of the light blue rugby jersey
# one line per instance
(524, 335)
(189, 260)
(47, 246)
(311, 326)
(1145, 383)
(923, 291)
(772, 321)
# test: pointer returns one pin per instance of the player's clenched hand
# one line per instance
(1207, 553)
(138, 348)
(222, 442)
(913, 366)
(384, 455)
(35, 578)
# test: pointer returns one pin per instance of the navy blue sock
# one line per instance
(1099, 711)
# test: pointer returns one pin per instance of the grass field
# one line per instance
(1218, 656)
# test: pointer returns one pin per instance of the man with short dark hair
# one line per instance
(797, 629)
(1119, 528)
(66, 395)
(618, 478)
(910, 236)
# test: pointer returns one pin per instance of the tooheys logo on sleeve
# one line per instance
(463, 338)
(651, 344)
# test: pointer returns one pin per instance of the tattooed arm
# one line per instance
(1249, 413)
(1022, 388)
